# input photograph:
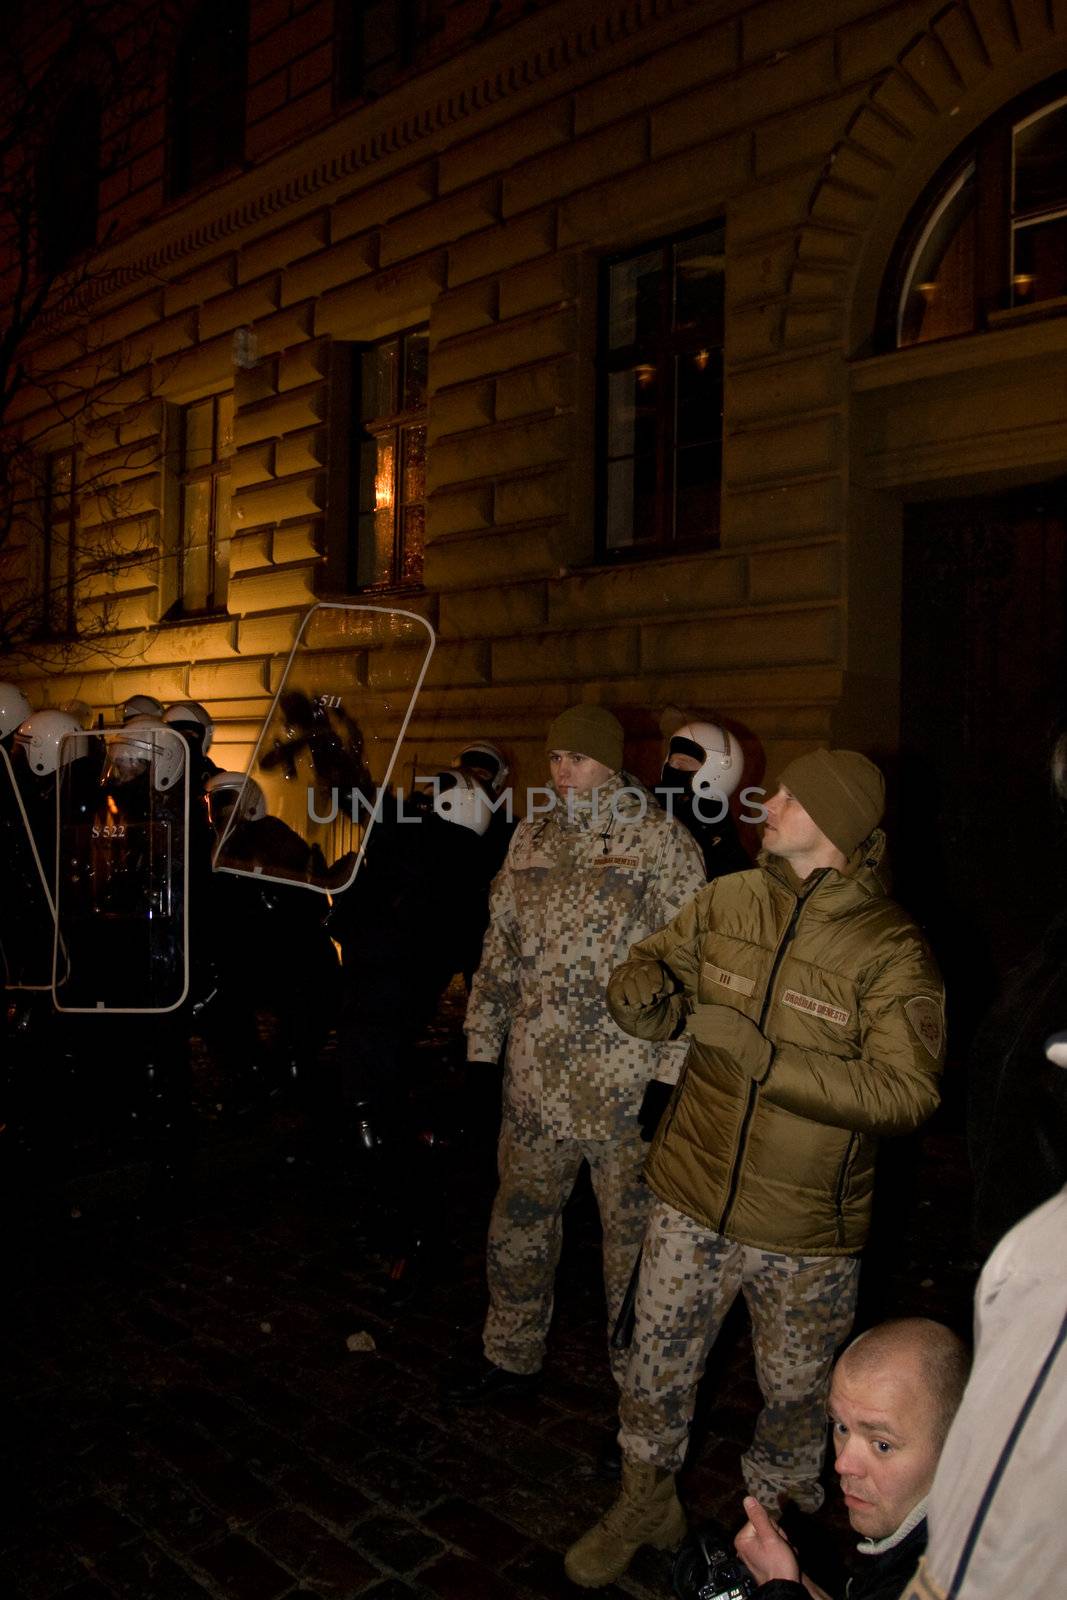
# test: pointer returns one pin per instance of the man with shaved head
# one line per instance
(894, 1394)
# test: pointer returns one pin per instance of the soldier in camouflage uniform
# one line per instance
(578, 886)
(815, 1015)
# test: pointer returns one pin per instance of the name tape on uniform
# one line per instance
(616, 861)
(811, 1007)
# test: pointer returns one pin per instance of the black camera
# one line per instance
(705, 1569)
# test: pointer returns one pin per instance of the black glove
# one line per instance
(482, 1094)
(654, 1104)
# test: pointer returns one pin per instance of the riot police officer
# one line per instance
(701, 770)
(283, 966)
(414, 917)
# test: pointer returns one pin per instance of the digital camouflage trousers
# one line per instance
(537, 1174)
(801, 1308)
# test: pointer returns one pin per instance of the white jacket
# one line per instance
(998, 1507)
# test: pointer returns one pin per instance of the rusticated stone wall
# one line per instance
(478, 196)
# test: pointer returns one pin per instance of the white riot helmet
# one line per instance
(43, 740)
(719, 753)
(485, 759)
(82, 713)
(228, 785)
(140, 705)
(14, 708)
(191, 715)
(144, 745)
(461, 799)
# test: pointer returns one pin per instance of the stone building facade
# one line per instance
(484, 201)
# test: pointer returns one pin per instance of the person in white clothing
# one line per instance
(997, 1528)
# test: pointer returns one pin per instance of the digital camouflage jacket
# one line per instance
(574, 893)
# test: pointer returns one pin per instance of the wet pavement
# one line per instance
(220, 1393)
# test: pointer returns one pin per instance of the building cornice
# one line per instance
(456, 99)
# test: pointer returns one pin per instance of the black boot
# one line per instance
(486, 1382)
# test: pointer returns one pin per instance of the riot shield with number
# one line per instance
(122, 876)
(27, 912)
(331, 745)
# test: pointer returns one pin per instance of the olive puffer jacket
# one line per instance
(771, 1134)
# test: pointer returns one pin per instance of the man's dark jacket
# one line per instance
(876, 1577)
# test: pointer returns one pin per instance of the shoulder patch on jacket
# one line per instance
(924, 1014)
(810, 1006)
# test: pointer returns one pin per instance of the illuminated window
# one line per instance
(1039, 205)
(206, 453)
(206, 122)
(990, 234)
(59, 556)
(391, 524)
(660, 459)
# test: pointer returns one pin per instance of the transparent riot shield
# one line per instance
(122, 876)
(331, 748)
(27, 911)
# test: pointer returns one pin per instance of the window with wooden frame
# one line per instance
(989, 236)
(206, 112)
(59, 552)
(205, 443)
(661, 389)
(391, 461)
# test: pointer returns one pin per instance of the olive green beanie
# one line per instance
(591, 731)
(842, 792)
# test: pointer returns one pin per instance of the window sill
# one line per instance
(1040, 311)
(1011, 336)
(177, 618)
(385, 590)
(173, 199)
(651, 552)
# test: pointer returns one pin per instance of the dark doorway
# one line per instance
(981, 841)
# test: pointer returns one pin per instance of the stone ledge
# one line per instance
(494, 611)
(647, 588)
(772, 638)
(591, 653)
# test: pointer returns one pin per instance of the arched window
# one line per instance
(68, 182)
(207, 94)
(990, 234)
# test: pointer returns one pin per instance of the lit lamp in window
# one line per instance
(1022, 285)
(701, 359)
(645, 374)
(928, 291)
(383, 489)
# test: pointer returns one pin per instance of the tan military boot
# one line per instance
(646, 1512)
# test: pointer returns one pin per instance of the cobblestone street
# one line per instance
(224, 1400)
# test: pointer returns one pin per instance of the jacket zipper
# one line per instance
(840, 1195)
(753, 1087)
